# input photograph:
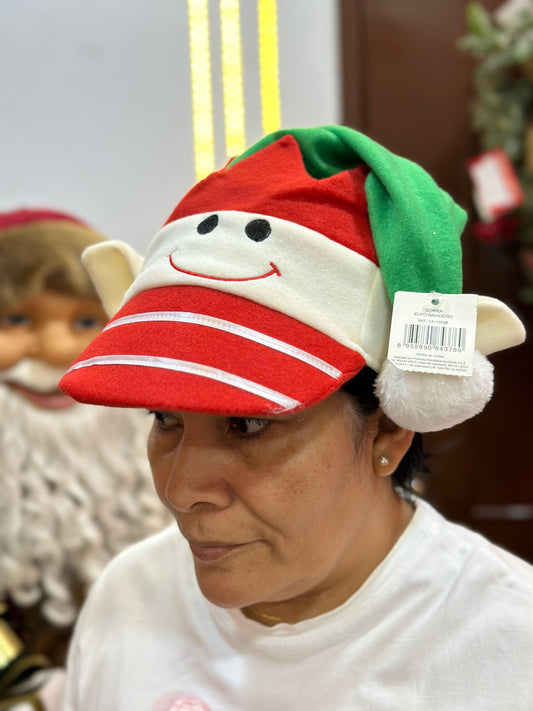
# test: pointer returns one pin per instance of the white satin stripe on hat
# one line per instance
(229, 327)
(183, 366)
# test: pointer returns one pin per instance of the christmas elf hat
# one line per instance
(271, 284)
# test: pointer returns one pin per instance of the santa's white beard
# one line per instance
(75, 489)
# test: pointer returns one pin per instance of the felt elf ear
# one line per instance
(497, 326)
(112, 266)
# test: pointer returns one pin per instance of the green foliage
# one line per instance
(502, 44)
(503, 92)
(502, 106)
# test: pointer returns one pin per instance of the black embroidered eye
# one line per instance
(258, 230)
(207, 225)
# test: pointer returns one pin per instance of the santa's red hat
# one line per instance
(31, 215)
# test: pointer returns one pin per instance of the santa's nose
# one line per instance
(55, 343)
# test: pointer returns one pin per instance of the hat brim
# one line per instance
(194, 349)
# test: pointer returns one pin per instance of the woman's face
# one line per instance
(278, 509)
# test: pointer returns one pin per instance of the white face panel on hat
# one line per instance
(287, 267)
(237, 312)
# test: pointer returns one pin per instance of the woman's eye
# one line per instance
(14, 320)
(248, 426)
(164, 420)
(86, 323)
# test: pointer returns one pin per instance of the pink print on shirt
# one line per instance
(180, 702)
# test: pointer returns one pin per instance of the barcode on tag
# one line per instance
(433, 332)
(444, 336)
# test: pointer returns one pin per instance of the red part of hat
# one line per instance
(29, 215)
(274, 182)
(196, 349)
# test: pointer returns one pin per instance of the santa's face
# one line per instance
(40, 337)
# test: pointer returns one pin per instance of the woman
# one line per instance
(306, 575)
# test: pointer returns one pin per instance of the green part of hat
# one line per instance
(416, 226)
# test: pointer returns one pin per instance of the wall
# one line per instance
(95, 110)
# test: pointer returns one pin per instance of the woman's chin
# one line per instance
(226, 590)
(226, 596)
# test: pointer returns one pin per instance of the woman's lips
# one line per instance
(208, 552)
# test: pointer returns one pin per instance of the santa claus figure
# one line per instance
(75, 485)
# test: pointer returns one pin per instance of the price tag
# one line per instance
(433, 333)
(496, 187)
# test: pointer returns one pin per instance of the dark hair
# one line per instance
(361, 389)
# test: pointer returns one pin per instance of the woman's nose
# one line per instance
(197, 478)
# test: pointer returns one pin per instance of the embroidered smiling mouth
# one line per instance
(274, 270)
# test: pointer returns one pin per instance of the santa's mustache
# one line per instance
(33, 374)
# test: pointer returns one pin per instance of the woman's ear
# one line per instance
(390, 445)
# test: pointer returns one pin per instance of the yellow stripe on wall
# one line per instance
(268, 65)
(202, 104)
(232, 78)
(232, 83)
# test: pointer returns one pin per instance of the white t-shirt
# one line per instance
(445, 623)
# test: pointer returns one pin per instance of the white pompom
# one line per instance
(428, 402)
